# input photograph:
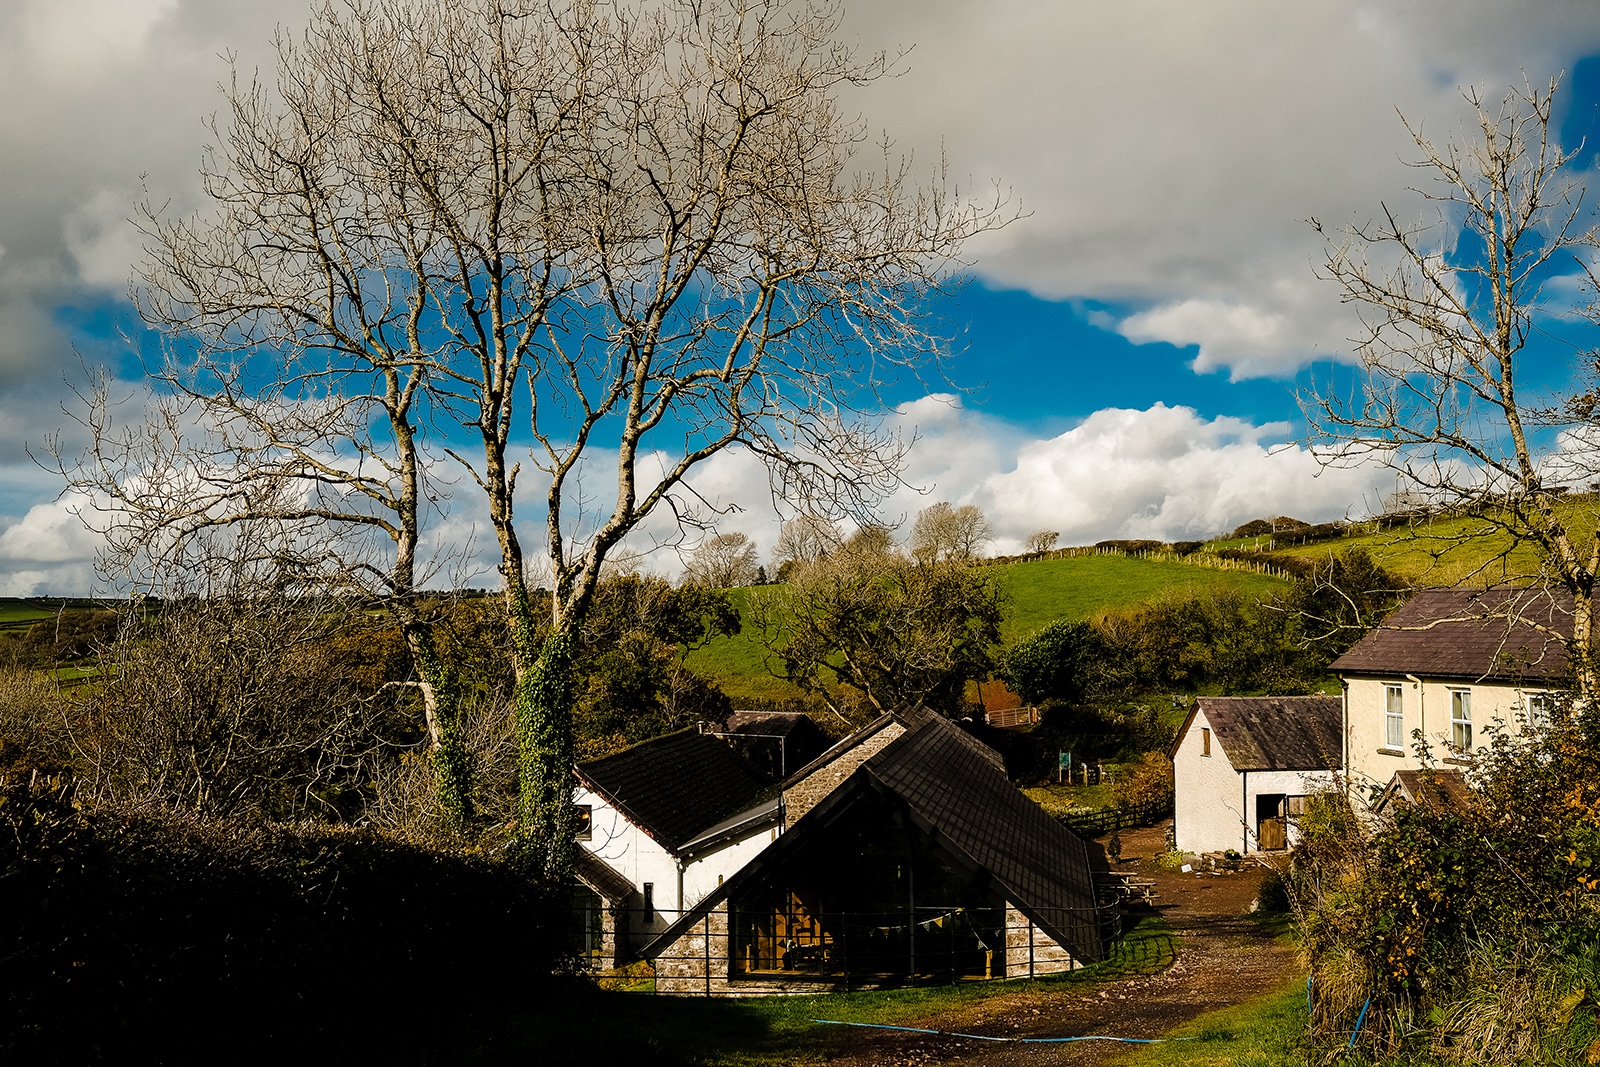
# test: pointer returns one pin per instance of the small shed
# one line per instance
(1242, 768)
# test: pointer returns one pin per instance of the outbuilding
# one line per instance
(1242, 768)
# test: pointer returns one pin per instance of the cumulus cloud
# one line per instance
(1168, 154)
(1163, 473)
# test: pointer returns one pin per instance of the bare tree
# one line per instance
(1448, 305)
(723, 562)
(1040, 543)
(646, 226)
(945, 532)
(804, 539)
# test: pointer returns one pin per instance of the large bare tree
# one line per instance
(613, 238)
(1448, 306)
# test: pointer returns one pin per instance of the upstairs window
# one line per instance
(1394, 718)
(1205, 741)
(1540, 709)
(585, 821)
(1461, 720)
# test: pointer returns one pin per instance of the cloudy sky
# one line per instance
(1127, 351)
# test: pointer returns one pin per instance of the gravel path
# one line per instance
(1223, 958)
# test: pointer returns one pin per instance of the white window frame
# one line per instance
(1539, 706)
(1461, 720)
(1394, 717)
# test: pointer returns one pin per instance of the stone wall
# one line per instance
(810, 790)
(1030, 951)
(692, 967)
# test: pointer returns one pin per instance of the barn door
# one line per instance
(1272, 822)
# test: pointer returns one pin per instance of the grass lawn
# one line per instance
(1259, 1033)
(587, 1025)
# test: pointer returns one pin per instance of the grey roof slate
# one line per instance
(1500, 634)
(603, 878)
(955, 786)
(1043, 868)
(676, 786)
(1276, 733)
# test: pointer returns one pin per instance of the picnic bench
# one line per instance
(1125, 887)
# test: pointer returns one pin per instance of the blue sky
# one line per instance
(1126, 352)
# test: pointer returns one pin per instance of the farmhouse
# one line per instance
(1445, 667)
(662, 824)
(914, 858)
(1242, 768)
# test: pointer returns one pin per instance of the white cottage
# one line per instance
(1243, 766)
(662, 824)
(1447, 666)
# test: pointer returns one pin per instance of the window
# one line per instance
(1540, 707)
(1394, 718)
(585, 821)
(1461, 720)
(1295, 806)
(1205, 741)
(649, 901)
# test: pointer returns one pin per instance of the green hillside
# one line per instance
(1449, 551)
(1040, 592)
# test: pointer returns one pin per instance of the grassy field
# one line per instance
(1039, 592)
(1259, 1033)
(1044, 591)
(592, 1026)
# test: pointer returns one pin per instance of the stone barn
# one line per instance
(916, 859)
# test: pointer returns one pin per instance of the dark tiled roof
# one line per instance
(674, 787)
(950, 785)
(1468, 634)
(603, 878)
(1277, 733)
(944, 777)
(1443, 789)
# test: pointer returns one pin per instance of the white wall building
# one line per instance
(1243, 766)
(1442, 672)
(672, 818)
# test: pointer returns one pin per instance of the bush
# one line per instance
(176, 938)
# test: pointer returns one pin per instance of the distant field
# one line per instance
(1040, 592)
(1076, 587)
(1451, 551)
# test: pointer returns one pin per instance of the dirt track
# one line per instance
(1223, 958)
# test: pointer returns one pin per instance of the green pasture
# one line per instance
(1076, 587)
(1038, 593)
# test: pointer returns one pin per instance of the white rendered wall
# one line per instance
(640, 858)
(1206, 796)
(1214, 806)
(1372, 762)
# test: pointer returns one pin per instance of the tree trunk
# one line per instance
(543, 705)
(452, 762)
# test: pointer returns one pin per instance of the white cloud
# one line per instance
(1169, 154)
(1163, 473)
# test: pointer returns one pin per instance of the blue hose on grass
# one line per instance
(1018, 1040)
(1359, 1020)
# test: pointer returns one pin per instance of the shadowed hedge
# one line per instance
(177, 940)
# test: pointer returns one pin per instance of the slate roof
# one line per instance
(1470, 635)
(958, 793)
(1275, 733)
(676, 786)
(1443, 789)
(603, 878)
